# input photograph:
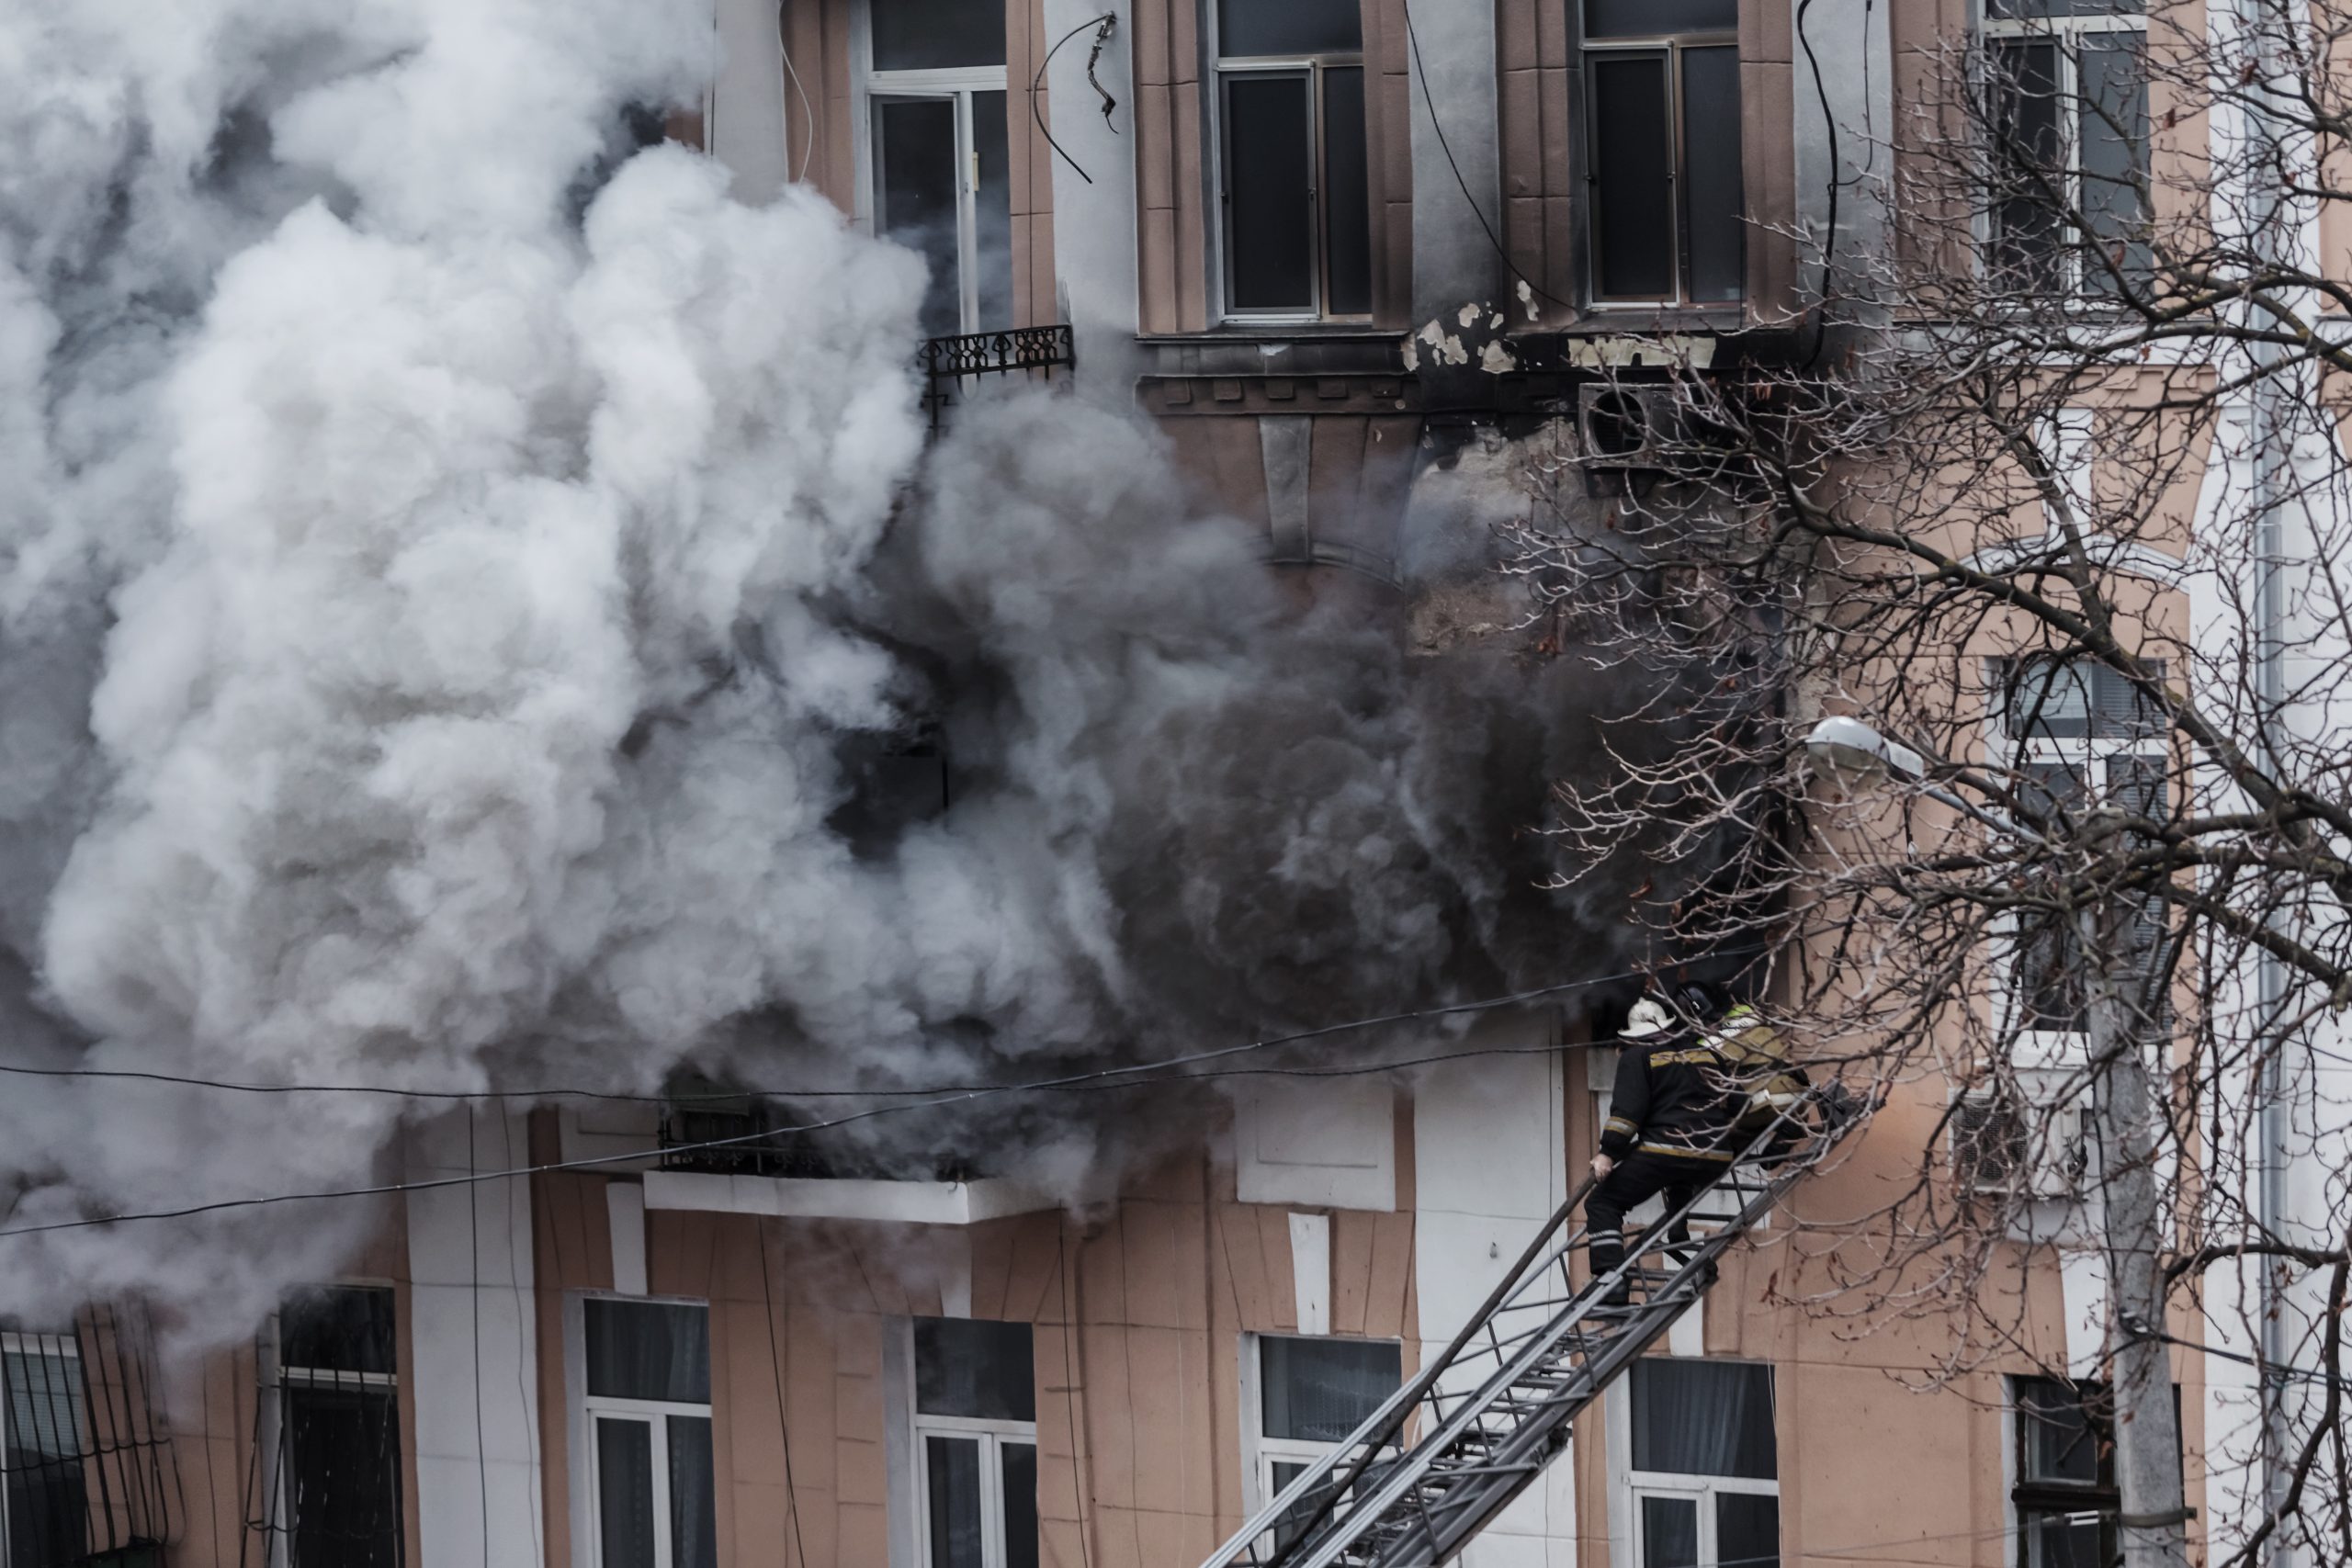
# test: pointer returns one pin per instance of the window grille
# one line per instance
(87, 1475)
(327, 1487)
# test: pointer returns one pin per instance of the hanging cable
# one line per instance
(775, 1364)
(1103, 25)
(1429, 102)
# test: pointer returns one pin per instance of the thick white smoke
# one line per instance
(451, 570)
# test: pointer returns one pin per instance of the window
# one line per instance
(339, 1430)
(976, 1442)
(939, 155)
(1295, 185)
(1661, 79)
(1311, 1395)
(2068, 111)
(2078, 734)
(647, 1408)
(2066, 1497)
(1705, 1475)
(45, 1497)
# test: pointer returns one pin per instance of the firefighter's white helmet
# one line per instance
(1650, 1017)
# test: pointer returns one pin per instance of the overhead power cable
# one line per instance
(762, 1093)
(1170, 1069)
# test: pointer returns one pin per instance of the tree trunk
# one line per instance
(2147, 1422)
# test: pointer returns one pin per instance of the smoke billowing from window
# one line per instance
(442, 622)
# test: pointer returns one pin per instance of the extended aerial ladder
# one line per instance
(1448, 1450)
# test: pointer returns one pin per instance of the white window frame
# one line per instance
(276, 1377)
(587, 1409)
(2089, 755)
(898, 1380)
(1630, 1485)
(991, 1435)
(65, 1346)
(1214, 158)
(869, 89)
(2066, 33)
(1260, 1453)
(1671, 45)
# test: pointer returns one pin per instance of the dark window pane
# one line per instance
(1669, 1532)
(2057, 1440)
(1288, 27)
(915, 35)
(648, 1351)
(1318, 1390)
(1294, 1517)
(1020, 1506)
(954, 1479)
(45, 1493)
(693, 1526)
(1632, 176)
(915, 151)
(1748, 1530)
(343, 1476)
(1703, 1418)
(1347, 198)
(2064, 1539)
(2029, 160)
(2114, 154)
(969, 1365)
(993, 213)
(625, 1492)
(2118, 708)
(1649, 18)
(1269, 181)
(337, 1328)
(1712, 199)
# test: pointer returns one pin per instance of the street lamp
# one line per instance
(2147, 1434)
(1860, 755)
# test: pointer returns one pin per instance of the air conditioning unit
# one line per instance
(1624, 428)
(2002, 1148)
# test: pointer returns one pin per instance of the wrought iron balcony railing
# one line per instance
(1029, 351)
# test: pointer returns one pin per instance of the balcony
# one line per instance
(957, 364)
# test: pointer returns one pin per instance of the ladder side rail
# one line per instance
(1510, 1459)
(1370, 1509)
(1383, 1425)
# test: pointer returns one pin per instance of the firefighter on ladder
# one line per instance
(1696, 1083)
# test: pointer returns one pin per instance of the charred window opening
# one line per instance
(1662, 150)
(714, 1128)
(895, 783)
(1293, 170)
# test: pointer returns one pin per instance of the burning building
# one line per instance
(687, 890)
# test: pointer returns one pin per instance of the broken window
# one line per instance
(976, 1442)
(1293, 165)
(2067, 96)
(1312, 1393)
(338, 1410)
(940, 153)
(1705, 1471)
(1662, 149)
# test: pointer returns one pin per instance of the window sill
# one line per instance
(914, 1202)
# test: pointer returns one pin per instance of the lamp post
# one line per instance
(2147, 1436)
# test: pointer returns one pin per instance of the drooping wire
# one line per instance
(1111, 1079)
(1429, 102)
(775, 1364)
(473, 1296)
(1069, 1386)
(1103, 25)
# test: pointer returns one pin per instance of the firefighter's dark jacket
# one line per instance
(1675, 1096)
